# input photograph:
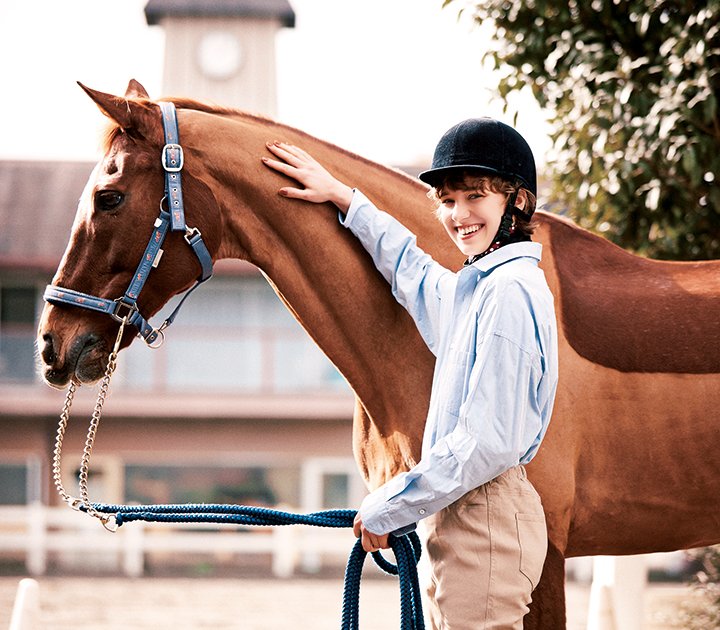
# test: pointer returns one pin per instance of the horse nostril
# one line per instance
(48, 351)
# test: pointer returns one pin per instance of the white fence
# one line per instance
(41, 533)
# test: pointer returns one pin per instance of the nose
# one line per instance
(459, 212)
(53, 373)
(47, 351)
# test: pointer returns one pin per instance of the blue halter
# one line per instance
(125, 307)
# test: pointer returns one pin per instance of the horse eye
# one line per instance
(108, 199)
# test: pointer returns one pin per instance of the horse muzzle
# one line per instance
(83, 361)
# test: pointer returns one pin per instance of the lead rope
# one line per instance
(406, 548)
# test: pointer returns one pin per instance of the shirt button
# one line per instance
(422, 511)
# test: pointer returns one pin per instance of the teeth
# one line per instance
(469, 229)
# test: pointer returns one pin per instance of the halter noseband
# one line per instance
(125, 307)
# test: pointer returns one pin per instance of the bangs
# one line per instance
(468, 180)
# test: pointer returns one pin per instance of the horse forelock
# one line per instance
(108, 135)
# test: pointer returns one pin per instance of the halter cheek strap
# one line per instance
(125, 307)
(173, 159)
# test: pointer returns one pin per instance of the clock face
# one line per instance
(219, 54)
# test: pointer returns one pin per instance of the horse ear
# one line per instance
(132, 116)
(135, 89)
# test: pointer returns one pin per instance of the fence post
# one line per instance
(36, 553)
(26, 610)
(133, 552)
(616, 594)
(285, 550)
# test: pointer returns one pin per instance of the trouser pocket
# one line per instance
(532, 538)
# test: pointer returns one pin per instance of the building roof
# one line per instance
(38, 201)
(30, 400)
(155, 10)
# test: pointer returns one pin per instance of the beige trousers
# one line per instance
(486, 554)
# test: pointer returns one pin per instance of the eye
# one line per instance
(107, 200)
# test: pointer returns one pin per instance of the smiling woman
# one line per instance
(492, 329)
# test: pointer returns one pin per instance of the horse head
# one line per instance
(116, 215)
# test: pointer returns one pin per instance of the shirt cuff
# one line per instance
(376, 512)
(358, 211)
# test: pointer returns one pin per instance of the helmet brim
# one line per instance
(435, 176)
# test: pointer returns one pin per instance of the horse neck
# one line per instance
(320, 270)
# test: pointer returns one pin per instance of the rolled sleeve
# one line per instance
(433, 484)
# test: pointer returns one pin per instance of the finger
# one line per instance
(295, 193)
(287, 152)
(297, 152)
(281, 167)
(368, 545)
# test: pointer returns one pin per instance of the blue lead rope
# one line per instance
(406, 547)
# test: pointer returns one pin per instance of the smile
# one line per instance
(467, 230)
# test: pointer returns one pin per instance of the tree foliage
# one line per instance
(703, 611)
(632, 90)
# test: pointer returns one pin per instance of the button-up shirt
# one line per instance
(492, 329)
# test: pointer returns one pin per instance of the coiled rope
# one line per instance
(406, 547)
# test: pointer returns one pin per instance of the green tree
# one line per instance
(632, 90)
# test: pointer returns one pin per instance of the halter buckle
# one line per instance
(173, 163)
(190, 234)
(119, 305)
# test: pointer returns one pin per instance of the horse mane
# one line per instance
(112, 130)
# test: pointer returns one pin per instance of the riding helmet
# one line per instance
(484, 144)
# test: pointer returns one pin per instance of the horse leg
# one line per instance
(547, 609)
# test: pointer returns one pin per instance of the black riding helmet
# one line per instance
(487, 145)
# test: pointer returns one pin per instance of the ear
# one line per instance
(521, 200)
(135, 89)
(134, 117)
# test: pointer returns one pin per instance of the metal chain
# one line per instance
(83, 503)
(57, 453)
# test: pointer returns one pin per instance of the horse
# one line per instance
(628, 464)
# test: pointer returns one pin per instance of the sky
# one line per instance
(383, 78)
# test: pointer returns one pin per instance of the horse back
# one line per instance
(630, 313)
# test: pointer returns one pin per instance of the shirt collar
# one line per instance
(526, 249)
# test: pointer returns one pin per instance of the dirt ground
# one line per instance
(151, 603)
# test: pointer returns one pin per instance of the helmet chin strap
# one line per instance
(506, 222)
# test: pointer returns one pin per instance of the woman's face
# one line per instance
(471, 216)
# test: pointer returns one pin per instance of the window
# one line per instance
(18, 306)
(20, 482)
(255, 485)
(233, 335)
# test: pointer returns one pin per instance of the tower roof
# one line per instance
(155, 10)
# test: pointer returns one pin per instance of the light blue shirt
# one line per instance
(492, 329)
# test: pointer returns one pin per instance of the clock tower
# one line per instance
(222, 51)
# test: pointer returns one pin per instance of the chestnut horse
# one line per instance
(629, 462)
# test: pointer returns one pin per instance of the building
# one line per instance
(238, 405)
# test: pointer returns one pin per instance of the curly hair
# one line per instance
(482, 182)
